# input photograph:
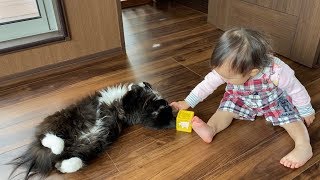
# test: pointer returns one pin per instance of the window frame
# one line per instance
(59, 35)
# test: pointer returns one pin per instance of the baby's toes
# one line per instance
(284, 161)
(293, 165)
(196, 120)
(298, 165)
(287, 163)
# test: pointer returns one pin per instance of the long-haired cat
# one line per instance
(72, 137)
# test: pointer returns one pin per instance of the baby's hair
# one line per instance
(244, 49)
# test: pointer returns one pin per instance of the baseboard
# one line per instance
(41, 72)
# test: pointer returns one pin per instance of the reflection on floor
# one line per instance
(168, 46)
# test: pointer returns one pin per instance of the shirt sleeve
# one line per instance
(210, 83)
(289, 83)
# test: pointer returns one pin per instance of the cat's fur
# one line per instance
(72, 137)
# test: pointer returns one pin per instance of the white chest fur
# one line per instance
(113, 93)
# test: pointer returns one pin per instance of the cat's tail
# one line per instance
(38, 160)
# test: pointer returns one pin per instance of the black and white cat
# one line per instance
(72, 137)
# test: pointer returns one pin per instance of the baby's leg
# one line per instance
(302, 151)
(218, 122)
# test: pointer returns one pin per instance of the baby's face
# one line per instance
(231, 77)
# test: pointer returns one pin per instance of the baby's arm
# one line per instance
(300, 97)
(180, 105)
(210, 83)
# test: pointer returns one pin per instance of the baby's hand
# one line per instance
(180, 105)
(309, 119)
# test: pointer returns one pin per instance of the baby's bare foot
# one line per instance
(202, 129)
(298, 156)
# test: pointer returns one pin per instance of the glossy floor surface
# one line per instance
(168, 46)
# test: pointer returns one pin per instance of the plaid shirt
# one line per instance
(259, 97)
(280, 74)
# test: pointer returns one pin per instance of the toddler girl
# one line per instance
(257, 84)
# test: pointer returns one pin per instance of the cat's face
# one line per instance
(155, 111)
(159, 114)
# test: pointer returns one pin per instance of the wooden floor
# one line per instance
(169, 47)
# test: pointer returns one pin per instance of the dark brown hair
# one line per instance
(244, 49)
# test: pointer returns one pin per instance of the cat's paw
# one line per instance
(53, 142)
(69, 165)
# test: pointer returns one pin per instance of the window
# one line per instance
(25, 23)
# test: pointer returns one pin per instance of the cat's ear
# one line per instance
(133, 87)
(147, 85)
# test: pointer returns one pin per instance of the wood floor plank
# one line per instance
(101, 168)
(152, 21)
(312, 172)
(131, 40)
(197, 61)
(156, 8)
(171, 41)
(262, 162)
(313, 89)
(20, 135)
(5, 158)
(21, 92)
(139, 11)
(134, 29)
(191, 156)
(175, 49)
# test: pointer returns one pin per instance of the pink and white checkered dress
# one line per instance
(259, 97)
